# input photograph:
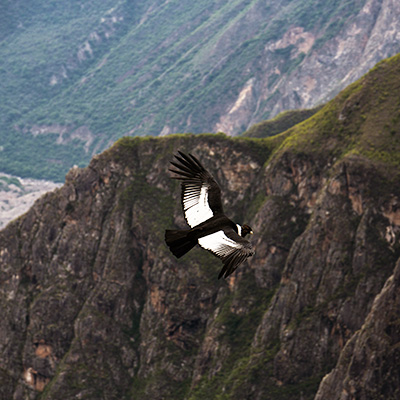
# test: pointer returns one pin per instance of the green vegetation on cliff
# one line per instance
(280, 123)
(363, 120)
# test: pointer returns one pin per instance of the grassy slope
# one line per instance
(280, 123)
(362, 120)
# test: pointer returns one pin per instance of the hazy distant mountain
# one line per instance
(76, 75)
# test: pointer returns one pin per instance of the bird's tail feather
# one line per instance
(179, 242)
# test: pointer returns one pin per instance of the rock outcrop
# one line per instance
(368, 365)
(93, 305)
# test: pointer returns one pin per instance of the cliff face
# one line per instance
(368, 365)
(93, 305)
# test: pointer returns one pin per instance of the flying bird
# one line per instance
(209, 226)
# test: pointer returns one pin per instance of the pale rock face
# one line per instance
(370, 36)
(240, 109)
(66, 134)
(16, 200)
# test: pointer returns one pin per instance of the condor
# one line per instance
(210, 227)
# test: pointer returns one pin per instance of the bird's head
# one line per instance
(246, 230)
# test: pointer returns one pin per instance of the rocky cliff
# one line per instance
(94, 306)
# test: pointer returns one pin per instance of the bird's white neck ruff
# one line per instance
(239, 229)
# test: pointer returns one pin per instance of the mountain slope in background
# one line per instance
(93, 305)
(76, 76)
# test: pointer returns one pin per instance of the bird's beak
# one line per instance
(251, 232)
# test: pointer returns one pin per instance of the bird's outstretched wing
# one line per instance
(201, 195)
(231, 248)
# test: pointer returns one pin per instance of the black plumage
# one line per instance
(203, 211)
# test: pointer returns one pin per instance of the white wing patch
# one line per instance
(219, 244)
(195, 205)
